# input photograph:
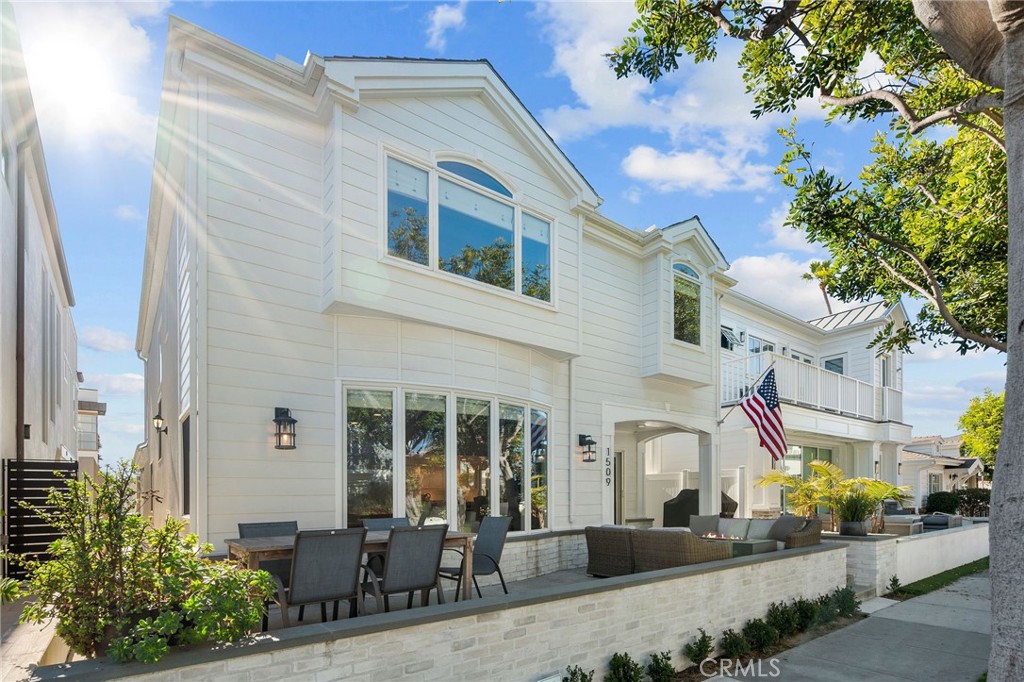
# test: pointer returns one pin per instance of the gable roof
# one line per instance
(847, 318)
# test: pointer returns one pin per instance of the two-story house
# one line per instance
(376, 287)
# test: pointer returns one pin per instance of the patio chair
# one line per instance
(807, 536)
(487, 549)
(325, 567)
(411, 565)
(280, 568)
(375, 560)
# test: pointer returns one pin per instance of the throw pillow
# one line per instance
(734, 528)
(759, 528)
(702, 525)
(786, 525)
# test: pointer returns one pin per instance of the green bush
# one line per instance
(855, 505)
(660, 669)
(576, 674)
(733, 645)
(944, 502)
(845, 601)
(783, 617)
(806, 613)
(973, 501)
(761, 636)
(699, 650)
(10, 590)
(828, 610)
(115, 580)
(622, 668)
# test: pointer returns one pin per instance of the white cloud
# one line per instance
(784, 237)
(776, 280)
(122, 427)
(117, 384)
(700, 171)
(104, 340)
(86, 63)
(444, 18)
(633, 195)
(128, 213)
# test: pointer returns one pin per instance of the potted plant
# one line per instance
(855, 510)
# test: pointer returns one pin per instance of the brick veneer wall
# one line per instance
(514, 638)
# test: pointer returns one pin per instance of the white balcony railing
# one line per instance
(802, 383)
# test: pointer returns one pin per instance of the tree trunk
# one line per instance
(1006, 660)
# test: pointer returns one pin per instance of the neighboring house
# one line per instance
(397, 255)
(840, 401)
(90, 409)
(38, 345)
(932, 464)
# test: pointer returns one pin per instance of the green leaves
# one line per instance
(982, 425)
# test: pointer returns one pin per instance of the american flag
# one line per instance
(762, 407)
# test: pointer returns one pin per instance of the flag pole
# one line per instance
(747, 392)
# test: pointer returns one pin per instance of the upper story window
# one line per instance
(730, 339)
(836, 364)
(801, 357)
(756, 345)
(480, 233)
(686, 303)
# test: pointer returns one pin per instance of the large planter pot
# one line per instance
(854, 527)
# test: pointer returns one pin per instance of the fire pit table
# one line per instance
(747, 547)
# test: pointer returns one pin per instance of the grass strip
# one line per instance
(940, 580)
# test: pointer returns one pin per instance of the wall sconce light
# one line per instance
(159, 424)
(589, 446)
(285, 436)
(899, 469)
(878, 469)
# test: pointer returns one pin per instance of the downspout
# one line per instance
(572, 449)
(19, 342)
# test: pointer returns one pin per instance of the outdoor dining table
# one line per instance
(251, 551)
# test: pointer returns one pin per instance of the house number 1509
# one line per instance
(607, 471)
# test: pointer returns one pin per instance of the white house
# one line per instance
(931, 464)
(841, 402)
(38, 345)
(396, 256)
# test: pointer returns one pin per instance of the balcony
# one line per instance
(808, 385)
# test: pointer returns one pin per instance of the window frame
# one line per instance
(434, 175)
(730, 338)
(398, 391)
(694, 278)
(838, 356)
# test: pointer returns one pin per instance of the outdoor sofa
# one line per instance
(621, 550)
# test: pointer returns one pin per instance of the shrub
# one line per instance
(660, 669)
(828, 609)
(845, 601)
(856, 505)
(783, 617)
(806, 613)
(733, 645)
(760, 635)
(623, 668)
(115, 580)
(973, 501)
(894, 585)
(576, 674)
(10, 590)
(699, 650)
(945, 502)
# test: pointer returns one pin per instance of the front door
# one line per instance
(620, 485)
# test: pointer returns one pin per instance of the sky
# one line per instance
(656, 154)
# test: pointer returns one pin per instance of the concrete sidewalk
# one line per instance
(944, 635)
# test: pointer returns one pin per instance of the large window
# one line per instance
(686, 303)
(481, 232)
(797, 461)
(447, 440)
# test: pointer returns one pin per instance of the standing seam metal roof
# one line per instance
(847, 318)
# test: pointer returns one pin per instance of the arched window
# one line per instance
(686, 303)
(481, 232)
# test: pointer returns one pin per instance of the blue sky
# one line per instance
(657, 154)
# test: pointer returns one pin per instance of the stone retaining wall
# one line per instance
(514, 637)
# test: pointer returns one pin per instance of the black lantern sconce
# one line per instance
(285, 436)
(159, 424)
(589, 446)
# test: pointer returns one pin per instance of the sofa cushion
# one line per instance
(785, 525)
(702, 525)
(733, 528)
(759, 528)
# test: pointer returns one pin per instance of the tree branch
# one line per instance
(975, 105)
(995, 139)
(775, 21)
(932, 293)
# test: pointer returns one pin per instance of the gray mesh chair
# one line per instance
(487, 549)
(410, 565)
(325, 567)
(376, 559)
(275, 567)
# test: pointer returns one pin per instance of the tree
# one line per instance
(820, 272)
(944, 62)
(982, 424)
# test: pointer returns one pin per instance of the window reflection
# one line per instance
(425, 499)
(407, 212)
(510, 433)
(370, 455)
(473, 452)
(475, 236)
(539, 469)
